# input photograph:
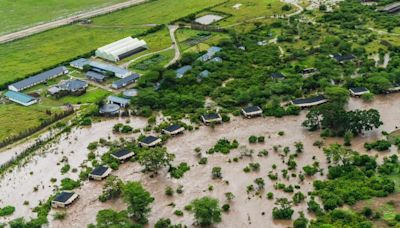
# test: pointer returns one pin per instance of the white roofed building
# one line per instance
(121, 49)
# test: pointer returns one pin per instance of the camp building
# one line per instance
(121, 49)
(125, 81)
(122, 154)
(309, 102)
(251, 111)
(173, 129)
(20, 98)
(358, 91)
(69, 87)
(64, 199)
(37, 79)
(149, 141)
(211, 118)
(100, 172)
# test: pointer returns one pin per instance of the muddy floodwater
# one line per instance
(247, 209)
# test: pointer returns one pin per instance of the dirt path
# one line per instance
(54, 24)
(172, 30)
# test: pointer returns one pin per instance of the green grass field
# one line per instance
(40, 11)
(249, 9)
(39, 51)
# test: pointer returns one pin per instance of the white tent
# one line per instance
(121, 49)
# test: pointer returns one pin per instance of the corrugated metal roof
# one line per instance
(111, 68)
(125, 81)
(39, 78)
(119, 100)
(181, 71)
(21, 97)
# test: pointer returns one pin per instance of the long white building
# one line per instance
(121, 49)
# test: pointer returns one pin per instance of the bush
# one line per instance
(169, 191)
(7, 210)
(379, 145)
(252, 139)
(216, 173)
(86, 121)
(69, 184)
(178, 172)
(226, 207)
(178, 213)
(65, 168)
(59, 215)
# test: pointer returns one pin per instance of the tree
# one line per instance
(216, 172)
(338, 154)
(154, 159)
(363, 120)
(112, 188)
(206, 211)
(300, 222)
(138, 200)
(337, 95)
(112, 219)
(284, 211)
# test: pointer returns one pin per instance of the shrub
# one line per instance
(253, 139)
(379, 145)
(178, 172)
(7, 210)
(226, 207)
(178, 213)
(59, 215)
(69, 184)
(169, 191)
(216, 172)
(65, 168)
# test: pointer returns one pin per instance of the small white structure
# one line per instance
(122, 155)
(100, 172)
(358, 91)
(211, 118)
(121, 49)
(173, 129)
(150, 141)
(309, 102)
(64, 199)
(251, 111)
(208, 19)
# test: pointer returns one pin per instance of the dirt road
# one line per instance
(54, 24)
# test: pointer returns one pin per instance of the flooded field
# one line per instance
(247, 209)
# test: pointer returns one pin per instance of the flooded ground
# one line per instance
(247, 210)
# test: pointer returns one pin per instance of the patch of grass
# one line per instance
(92, 95)
(41, 11)
(28, 117)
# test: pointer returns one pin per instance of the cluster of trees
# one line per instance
(223, 146)
(336, 121)
(138, 200)
(353, 177)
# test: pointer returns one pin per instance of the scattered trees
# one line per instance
(138, 200)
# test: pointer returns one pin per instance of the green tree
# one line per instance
(138, 200)
(206, 211)
(154, 159)
(300, 222)
(337, 94)
(109, 218)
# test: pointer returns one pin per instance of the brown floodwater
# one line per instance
(247, 210)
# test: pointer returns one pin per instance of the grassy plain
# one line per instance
(34, 53)
(35, 12)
